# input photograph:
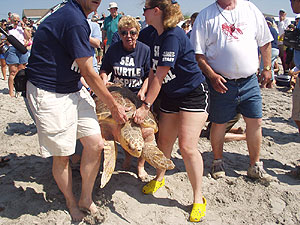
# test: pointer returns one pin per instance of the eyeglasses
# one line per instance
(16, 20)
(131, 32)
(145, 9)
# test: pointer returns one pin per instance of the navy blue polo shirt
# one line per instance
(130, 68)
(59, 40)
(173, 49)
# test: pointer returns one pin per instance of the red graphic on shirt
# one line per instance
(229, 30)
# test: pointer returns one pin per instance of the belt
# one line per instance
(238, 80)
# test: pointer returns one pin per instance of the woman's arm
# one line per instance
(142, 92)
(153, 91)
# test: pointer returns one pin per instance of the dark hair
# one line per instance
(194, 15)
(172, 14)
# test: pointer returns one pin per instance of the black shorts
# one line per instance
(195, 101)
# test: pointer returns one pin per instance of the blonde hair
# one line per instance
(172, 14)
(128, 22)
(15, 16)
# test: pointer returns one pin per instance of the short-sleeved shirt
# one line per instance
(18, 33)
(95, 33)
(275, 37)
(130, 68)
(282, 25)
(297, 54)
(173, 49)
(111, 26)
(59, 40)
(148, 35)
(229, 39)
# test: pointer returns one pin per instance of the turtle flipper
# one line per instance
(110, 156)
(156, 158)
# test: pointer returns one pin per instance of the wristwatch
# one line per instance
(148, 105)
(267, 68)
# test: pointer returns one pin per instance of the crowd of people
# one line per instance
(204, 71)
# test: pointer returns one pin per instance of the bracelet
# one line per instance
(88, 89)
(148, 105)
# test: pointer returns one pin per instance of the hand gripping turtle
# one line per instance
(137, 140)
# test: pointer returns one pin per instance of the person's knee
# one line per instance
(93, 143)
(253, 123)
(62, 161)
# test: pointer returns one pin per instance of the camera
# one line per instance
(10, 27)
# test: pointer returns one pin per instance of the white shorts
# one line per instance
(296, 102)
(61, 119)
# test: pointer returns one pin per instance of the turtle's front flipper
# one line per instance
(156, 158)
(110, 156)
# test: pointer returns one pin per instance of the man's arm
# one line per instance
(96, 84)
(266, 75)
(103, 35)
(95, 42)
(217, 81)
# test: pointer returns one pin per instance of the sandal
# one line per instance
(153, 186)
(4, 161)
(198, 211)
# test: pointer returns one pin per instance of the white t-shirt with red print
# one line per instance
(230, 38)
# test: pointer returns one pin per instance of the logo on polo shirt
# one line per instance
(75, 67)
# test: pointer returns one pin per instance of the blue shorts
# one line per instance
(243, 96)
(13, 56)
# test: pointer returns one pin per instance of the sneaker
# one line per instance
(257, 172)
(217, 170)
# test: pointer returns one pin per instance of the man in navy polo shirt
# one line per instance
(63, 110)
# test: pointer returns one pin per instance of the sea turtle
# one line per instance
(137, 140)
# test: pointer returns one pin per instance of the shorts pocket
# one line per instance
(56, 112)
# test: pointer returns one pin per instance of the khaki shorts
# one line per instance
(296, 102)
(61, 119)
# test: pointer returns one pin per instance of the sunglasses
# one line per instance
(125, 33)
(145, 9)
(16, 20)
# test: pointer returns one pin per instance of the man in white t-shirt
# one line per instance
(226, 36)
(282, 26)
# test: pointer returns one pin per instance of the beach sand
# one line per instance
(29, 194)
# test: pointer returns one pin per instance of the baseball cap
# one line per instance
(282, 10)
(112, 5)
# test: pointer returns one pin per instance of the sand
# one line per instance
(29, 194)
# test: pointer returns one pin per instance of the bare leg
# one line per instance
(234, 137)
(89, 168)
(217, 134)
(13, 69)
(168, 125)
(62, 174)
(3, 68)
(238, 130)
(189, 130)
(127, 161)
(142, 174)
(253, 137)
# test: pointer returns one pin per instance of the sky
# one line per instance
(134, 7)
